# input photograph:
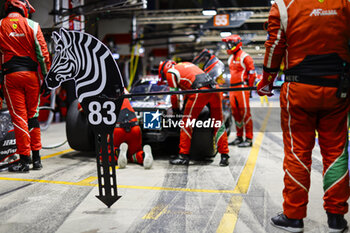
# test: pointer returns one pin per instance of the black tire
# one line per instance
(202, 144)
(79, 134)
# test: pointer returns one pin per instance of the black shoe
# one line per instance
(181, 159)
(37, 165)
(36, 161)
(336, 223)
(224, 160)
(237, 141)
(288, 224)
(22, 166)
(247, 143)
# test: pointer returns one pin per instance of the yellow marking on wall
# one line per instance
(156, 212)
(229, 220)
(55, 154)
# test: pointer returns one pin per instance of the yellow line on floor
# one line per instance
(87, 180)
(247, 172)
(229, 220)
(85, 183)
(47, 181)
(55, 154)
(176, 189)
(156, 212)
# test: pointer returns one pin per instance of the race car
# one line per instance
(7, 140)
(202, 145)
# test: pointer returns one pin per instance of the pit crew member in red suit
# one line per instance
(187, 76)
(312, 41)
(24, 49)
(243, 74)
(127, 138)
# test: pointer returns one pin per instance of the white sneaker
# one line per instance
(122, 159)
(148, 159)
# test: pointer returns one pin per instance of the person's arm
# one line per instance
(172, 82)
(276, 41)
(249, 63)
(41, 51)
(275, 49)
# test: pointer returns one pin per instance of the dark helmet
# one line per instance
(233, 43)
(21, 6)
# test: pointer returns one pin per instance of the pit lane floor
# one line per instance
(199, 198)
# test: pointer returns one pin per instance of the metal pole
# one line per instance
(194, 91)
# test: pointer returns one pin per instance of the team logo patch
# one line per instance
(15, 26)
(152, 120)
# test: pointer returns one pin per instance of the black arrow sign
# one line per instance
(102, 114)
(107, 180)
(98, 86)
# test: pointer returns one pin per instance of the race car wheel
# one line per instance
(202, 144)
(79, 134)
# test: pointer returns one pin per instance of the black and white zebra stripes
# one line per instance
(88, 61)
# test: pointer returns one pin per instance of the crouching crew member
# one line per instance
(242, 75)
(187, 76)
(127, 139)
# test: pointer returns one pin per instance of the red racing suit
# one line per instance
(298, 37)
(243, 73)
(23, 50)
(127, 130)
(186, 76)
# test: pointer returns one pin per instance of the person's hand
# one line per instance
(264, 87)
(44, 90)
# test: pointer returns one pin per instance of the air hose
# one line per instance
(54, 146)
(47, 123)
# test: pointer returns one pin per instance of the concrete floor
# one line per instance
(240, 198)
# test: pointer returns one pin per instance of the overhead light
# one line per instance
(209, 11)
(115, 56)
(225, 34)
(141, 50)
(272, 2)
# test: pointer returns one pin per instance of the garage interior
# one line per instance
(201, 197)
